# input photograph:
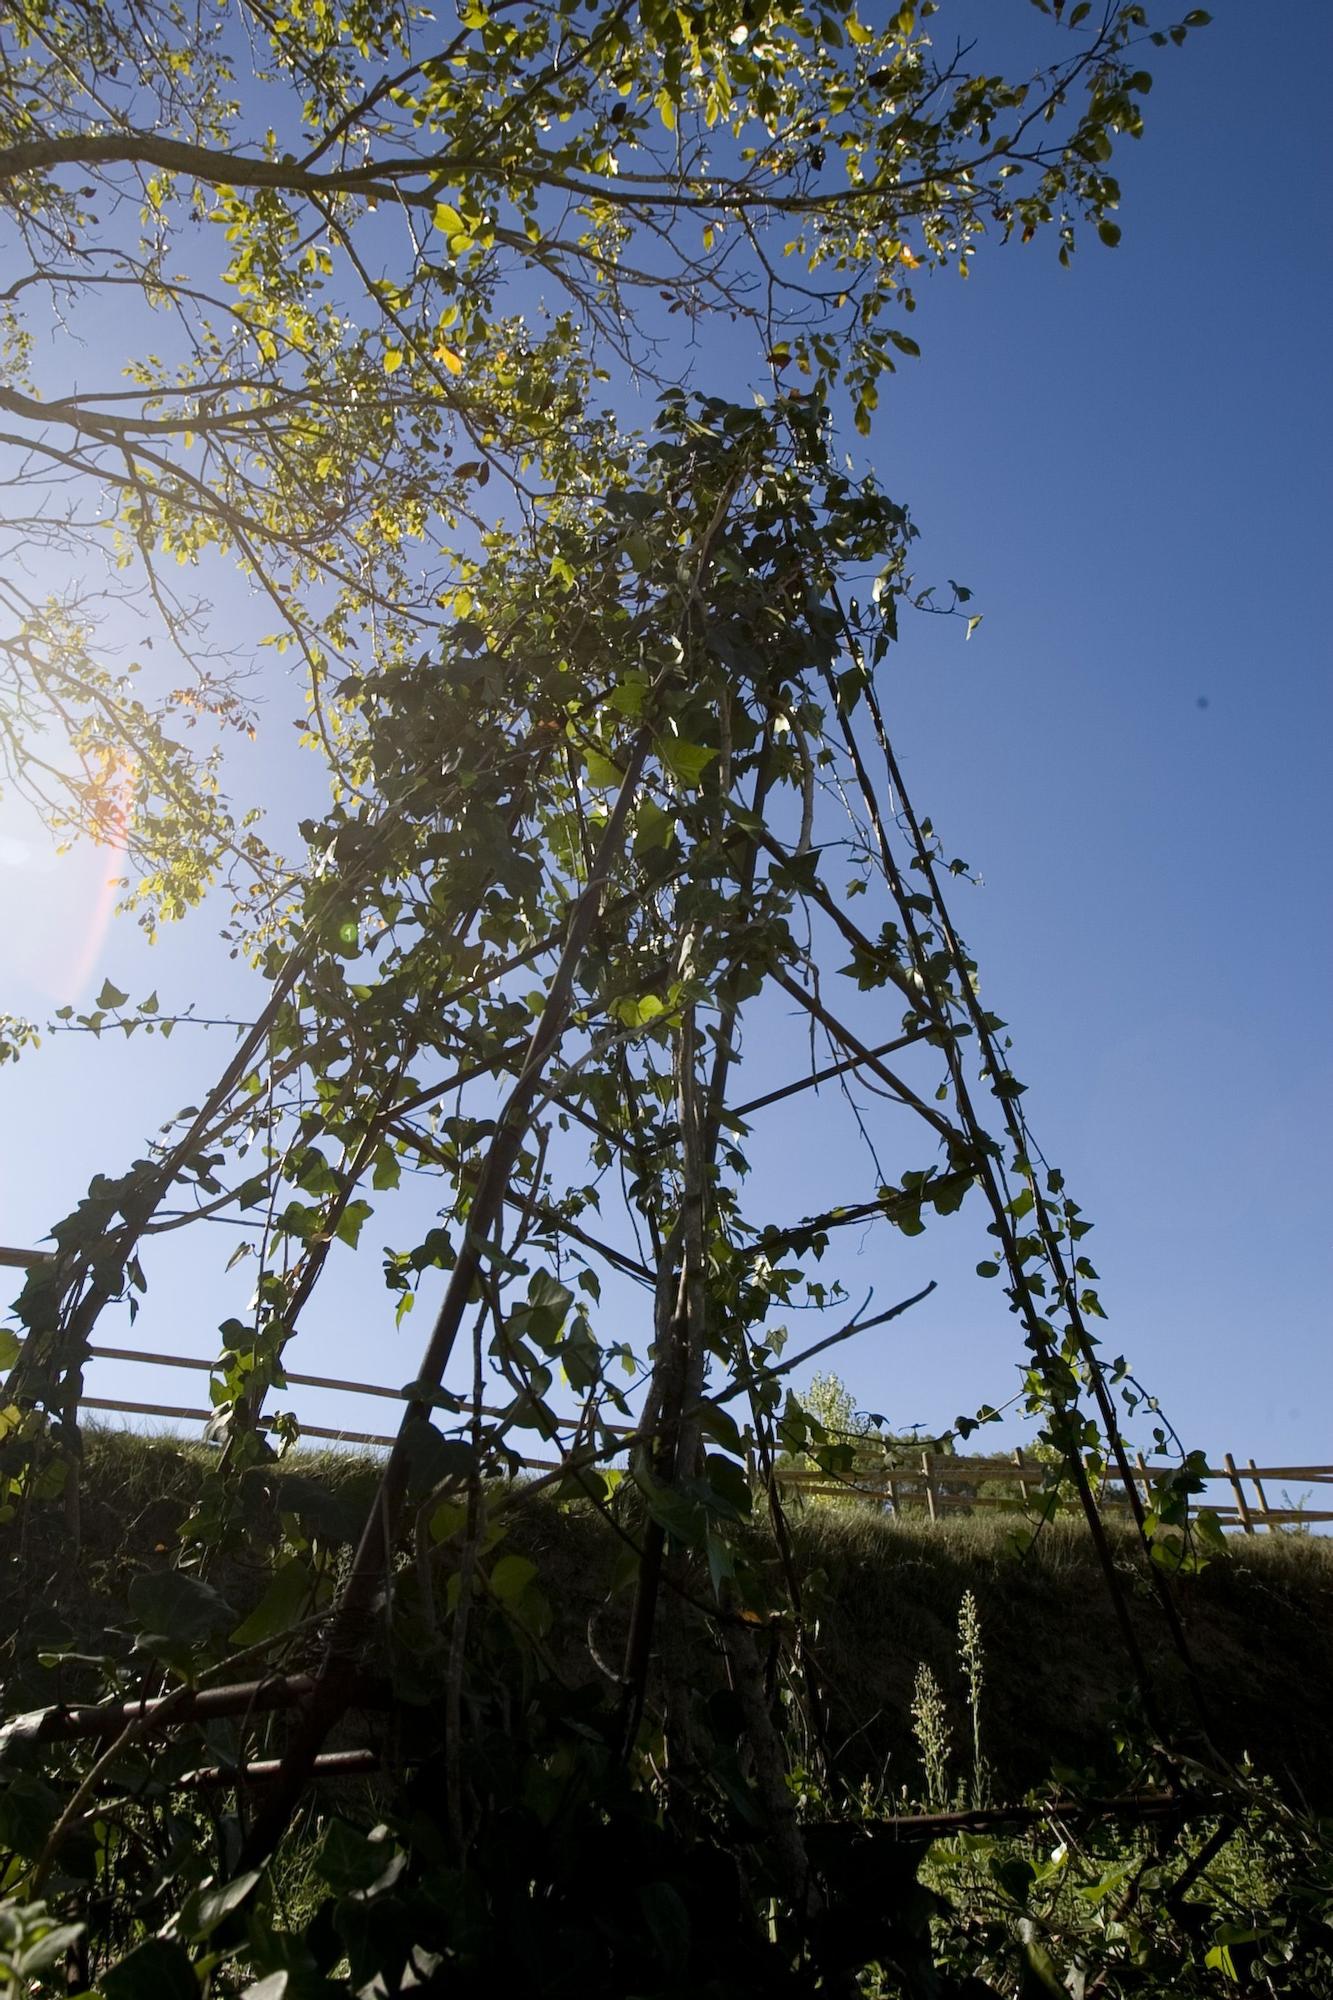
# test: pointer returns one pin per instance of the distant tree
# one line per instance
(851, 1447)
(828, 1399)
(834, 1429)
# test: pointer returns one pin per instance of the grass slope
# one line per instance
(882, 1596)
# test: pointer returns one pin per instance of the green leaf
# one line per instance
(1039, 1975)
(207, 1907)
(601, 771)
(432, 1458)
(1014, 1874)
(678, 1514)
(301, 1220)
(353, 1863)
(1109, 232)
(10, 1347)
(638, 1012)
(50, 1946)
(449, 1518)
(280, 1606)
(726, 1489)
(110, 996)
(155, 1970)
(547, 1293)
(685, 761)
(510, 1577)
(851, 686)
(628, 698)
(653, 827)
(29, 1808)
(174, 1611)
(354, 1216)
(668, 1920)
(721, 1426)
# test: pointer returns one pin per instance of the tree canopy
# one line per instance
(361, 265)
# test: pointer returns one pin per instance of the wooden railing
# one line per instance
(182, 1414)
(928, 1485)
(937, 1483)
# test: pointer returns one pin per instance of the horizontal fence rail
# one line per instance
(937, 1483)
(926, 1485)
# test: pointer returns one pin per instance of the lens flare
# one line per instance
(56, 909)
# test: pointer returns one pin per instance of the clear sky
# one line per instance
(1128, 464)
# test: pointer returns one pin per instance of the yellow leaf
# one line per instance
(393, 358)
(453, 362)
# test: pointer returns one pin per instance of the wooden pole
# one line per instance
(930, 1486)
(183, 1413)
(1242, 1505)
(1264, 1512)
(1142, 1465)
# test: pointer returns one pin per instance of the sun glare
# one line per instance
(55, 908)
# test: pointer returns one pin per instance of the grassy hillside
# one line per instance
(881, 1597)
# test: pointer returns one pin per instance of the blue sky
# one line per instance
(1128, 464)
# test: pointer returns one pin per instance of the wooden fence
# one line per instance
(932, 1484)
(926, 1485)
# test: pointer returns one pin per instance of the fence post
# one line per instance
(73, 1449)
(1142, 1464)
(1242, 1505)
(930, 1486)
(1263, 1498)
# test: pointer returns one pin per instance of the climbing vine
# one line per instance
(611, 781)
